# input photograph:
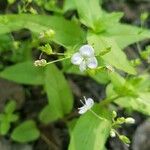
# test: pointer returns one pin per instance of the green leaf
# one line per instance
(69, 5)
(48, 115)
(59, 93)
(25, 132)
(90, 133)
(141, 103)
(25, 73)
(141, 83)
(4, 127)
(67, 34)
(125, 34)
(115, 57)
(10, 107)
(12, 117)
(89, 12)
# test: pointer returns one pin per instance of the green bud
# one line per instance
(16, 44)
(120, 120)
(50, 33)
(124, 139)
(112, 133)
(114, 114)
(145, 54)
(46, 49)
(47, 35)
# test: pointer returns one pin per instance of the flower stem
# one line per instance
(96, 114)
(58, 60)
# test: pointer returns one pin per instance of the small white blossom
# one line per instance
(86, 106)
(85, 58)
(130, 120)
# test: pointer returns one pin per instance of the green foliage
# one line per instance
(24, 73)
(134, 92)
(115, 57)
(7, 117)
(59, 94)
(25, 132)
(125, 34)
(64, 29)
(90, 133)
(89, 12)
(61, 34)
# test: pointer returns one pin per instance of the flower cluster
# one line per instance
(85, 58)
(116, 123)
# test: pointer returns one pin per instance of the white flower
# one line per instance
(130, 120)
(86, 106)
(85, 58)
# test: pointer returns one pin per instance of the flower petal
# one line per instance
(89, 103)
(92, 62)
(76, 59)
(83, 109)
(86, 51)
(82, 66)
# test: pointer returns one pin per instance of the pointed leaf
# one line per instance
(115, 57)
(90, 133)
(89, 12)
(58, 91)
(125, 34)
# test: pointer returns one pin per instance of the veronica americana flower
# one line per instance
(86, 106)
(85, 58)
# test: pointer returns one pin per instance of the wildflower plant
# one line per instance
(90, 44)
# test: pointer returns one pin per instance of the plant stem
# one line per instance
(58, 60)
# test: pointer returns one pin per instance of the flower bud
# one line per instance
(114, 114)
(112, 133)
(41, 62)
(130, 120)
(124, 139)
(120, 120)
(50, 33)
(46, 49)
(47, 35)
